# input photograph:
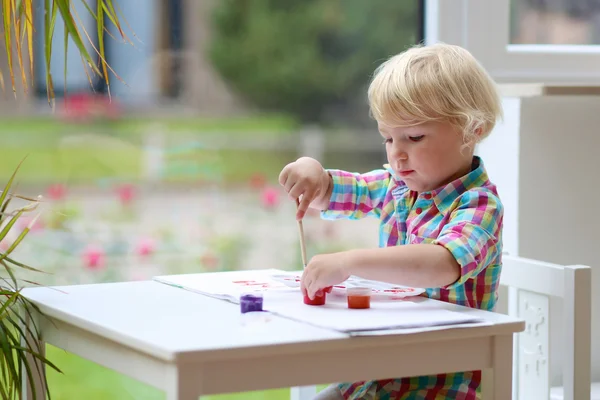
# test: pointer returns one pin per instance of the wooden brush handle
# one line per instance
(301, 232)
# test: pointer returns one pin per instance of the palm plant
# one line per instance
(20, 356)
(18, 19)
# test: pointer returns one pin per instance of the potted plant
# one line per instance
(17, 347)
(19, 358)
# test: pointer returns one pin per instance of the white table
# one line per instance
(190, 345)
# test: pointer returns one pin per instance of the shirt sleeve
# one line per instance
(473, 233)
(356, 196)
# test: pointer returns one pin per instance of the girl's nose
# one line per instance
(398, 153)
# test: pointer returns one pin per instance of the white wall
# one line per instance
(552, 202)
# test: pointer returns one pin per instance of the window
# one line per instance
(551, 42)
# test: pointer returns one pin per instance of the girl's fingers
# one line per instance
(295, 191)
(283, 176)
(307, 198)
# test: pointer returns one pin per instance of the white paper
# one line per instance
(388, 316)
(227, 285)
(405, 331)
(383, 315)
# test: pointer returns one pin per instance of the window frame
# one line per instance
(483, 27)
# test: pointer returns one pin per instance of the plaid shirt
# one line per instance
(465, 216)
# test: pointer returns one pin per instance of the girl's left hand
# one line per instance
(323, 271)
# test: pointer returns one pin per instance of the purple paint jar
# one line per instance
(250, 302)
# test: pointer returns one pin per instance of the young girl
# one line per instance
(440, 216)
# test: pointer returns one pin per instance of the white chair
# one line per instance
(531, 284)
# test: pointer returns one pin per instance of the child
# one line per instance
(440, 216)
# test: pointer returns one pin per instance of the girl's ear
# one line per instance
(474, 138)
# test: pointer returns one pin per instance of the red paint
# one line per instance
(359, 302)
(399, 290)
(252, 283)
(319, 299)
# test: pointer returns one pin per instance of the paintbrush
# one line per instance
(301, 232)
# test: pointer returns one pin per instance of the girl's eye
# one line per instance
(387, 140)
(416, 138)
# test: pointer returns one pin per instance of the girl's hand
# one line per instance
(307, 179)
(323, 271)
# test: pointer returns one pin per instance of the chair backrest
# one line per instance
(531, 284)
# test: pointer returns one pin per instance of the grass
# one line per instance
(83, 379)
(272, 124)
(112, 150)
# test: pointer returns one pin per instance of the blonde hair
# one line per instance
(440, 82)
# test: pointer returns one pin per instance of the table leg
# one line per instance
(497, 381)
(303, 392)
(34, 389)
(182, 384)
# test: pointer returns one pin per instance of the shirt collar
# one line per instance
(444, 196)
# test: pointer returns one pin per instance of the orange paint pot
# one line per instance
(359, 298)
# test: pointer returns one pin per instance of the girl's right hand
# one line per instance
(305, 179)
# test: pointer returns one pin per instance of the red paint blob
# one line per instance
(319, 299)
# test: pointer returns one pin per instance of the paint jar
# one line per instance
(251, 302)
(320, 297)
(359, 297)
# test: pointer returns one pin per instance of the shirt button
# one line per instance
(419, 210)
(427, 196)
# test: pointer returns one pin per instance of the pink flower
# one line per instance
(126, 193)
(270, 198)
(93, 257)
(81, 107)
(145, 246)
(57, 191)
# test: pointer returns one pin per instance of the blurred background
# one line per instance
(172, 167)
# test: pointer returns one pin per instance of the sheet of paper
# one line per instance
(383, 315)
(405, 331)
(287, 302)
(227, 285)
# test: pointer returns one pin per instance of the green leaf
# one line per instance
(10, 182)
(7, 12)
(50, 12)
(73, 31)
(7, 303)
(10, 224)
(7, 353)
(18, 264)
(14, 244)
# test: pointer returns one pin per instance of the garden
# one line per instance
(128, 196)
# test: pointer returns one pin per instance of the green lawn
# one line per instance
(113, 150)
(82, 379)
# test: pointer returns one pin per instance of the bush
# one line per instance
(305, 57)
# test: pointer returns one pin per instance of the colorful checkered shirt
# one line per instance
(465, 216)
